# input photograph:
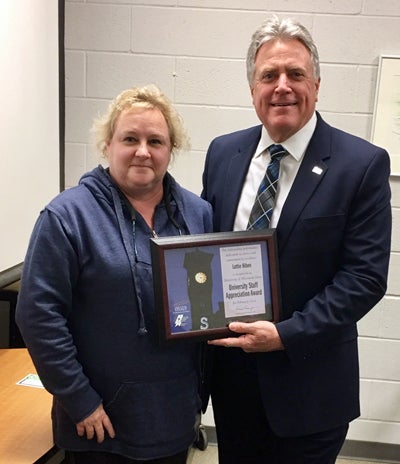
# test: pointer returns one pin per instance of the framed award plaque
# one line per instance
(203, 282)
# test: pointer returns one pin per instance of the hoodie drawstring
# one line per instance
(127, 240)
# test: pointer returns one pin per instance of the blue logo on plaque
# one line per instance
(180, 318)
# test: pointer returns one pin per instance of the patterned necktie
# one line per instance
(261, 212)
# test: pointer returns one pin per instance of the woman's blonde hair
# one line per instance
(149, 96)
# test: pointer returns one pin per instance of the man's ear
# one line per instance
(317, 84)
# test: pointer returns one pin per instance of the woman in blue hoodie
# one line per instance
(86, 309)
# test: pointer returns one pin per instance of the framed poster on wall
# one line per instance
(386, 120)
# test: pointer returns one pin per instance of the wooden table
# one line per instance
(25, 424)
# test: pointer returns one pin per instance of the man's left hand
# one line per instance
(255, 337)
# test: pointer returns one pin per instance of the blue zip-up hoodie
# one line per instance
(90, 340)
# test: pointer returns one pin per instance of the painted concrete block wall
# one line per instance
(195, 51)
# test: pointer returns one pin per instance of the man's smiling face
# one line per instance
(284, 89)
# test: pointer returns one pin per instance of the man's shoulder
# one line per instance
(239, 135)
(347, 149)
(341, 136)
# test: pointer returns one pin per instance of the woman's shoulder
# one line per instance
(68, 198)
(189, 198)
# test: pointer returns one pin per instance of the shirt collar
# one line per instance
(296, 144)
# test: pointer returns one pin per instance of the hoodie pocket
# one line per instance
(151, 413)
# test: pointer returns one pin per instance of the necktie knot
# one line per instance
(277, 152)
(261, 212)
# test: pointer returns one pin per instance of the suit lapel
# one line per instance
(236, 176)
(311, 172)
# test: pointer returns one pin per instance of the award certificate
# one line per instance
(203, 282)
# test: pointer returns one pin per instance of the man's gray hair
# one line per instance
(276, 29)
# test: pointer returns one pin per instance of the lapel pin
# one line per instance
(317, 170)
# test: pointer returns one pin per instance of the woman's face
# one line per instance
(139, 151)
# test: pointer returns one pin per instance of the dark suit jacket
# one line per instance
(334, 245)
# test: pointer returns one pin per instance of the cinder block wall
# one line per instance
(195, 51)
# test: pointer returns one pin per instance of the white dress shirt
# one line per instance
(296, 146)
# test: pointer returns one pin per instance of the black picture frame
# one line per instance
(203, 282)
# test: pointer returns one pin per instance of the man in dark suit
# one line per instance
(286, 392)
